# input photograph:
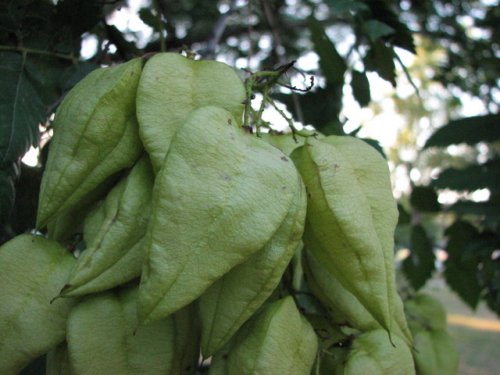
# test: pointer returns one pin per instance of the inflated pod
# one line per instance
(435, 353)
(218, 199)
(277, 341)
(171, 87)
(187, 341)
(95, 136)
(232, 299)
(351, 217)
(114, 234)
(372, 353)
(32, 270)
(104, 337)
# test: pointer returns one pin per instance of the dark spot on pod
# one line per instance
(284, 158)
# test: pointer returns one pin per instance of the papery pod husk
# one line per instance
(218, 199)
(279, 340)
(114, 234)
(372, 353)
(351, 217)
(95, 137)
(284, 142)
(32, 271)
(171, 87)
(104, 337)
(234, 298)
(187, 342)
(434, 353)
(57, 361)
(424, 310)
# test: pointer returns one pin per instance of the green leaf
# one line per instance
(380, 59)
(149, 18)
(21, 109)
(342, 6)
(331, 63)
(404, 216)
(374, 29)
(424, 199)
(7, 192)
(471, 178)
(461, 271)
(320, 108)
(419, 265)
(361, 88)
(489, 210)
(469, 130)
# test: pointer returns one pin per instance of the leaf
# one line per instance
(21, 109)
(404, 217)
(342, 6)
(149, 18)
(471, 178)
(7, 192)
(331, 63)
(488, 210)
(460, 271)
(402, 36)
(360, 88)
(380, 59)
(419, 265)
(319, 108)
(424, 199)
(374, 29)
(469, 130)
(32, 270)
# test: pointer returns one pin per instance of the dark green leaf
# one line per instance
(489, 210)
(424, 199)
(23, 216)
(7, 192)
(331, 63)
(341, 6)
(360, 88)
(21, 109)
(380, 59)
(319, 108)
(474, 177)
(404, 217)
(402, 37)
(469, 130)
(149, 18)
(460, 270)
(374, 29)
(419, 265)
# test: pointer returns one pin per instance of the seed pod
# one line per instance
(435, 353)
(95, 136)
(232, 299)
(129, 349)
(114, 235)
(277, 341)
(171, 87)
(372, 353)
(426, 311)
(32, 270)
(351, 217)
(216, 179)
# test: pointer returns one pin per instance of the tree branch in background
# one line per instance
(218, 31)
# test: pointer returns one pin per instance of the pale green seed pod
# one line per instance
(57, 361)
(234, 298)
(218, 199)
(104, 337)
(114, 234)
(351, 217)
(171, 87)
(277, 341)
(95, 136)
(372, 353)
(32, 270)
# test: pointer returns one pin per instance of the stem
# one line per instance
(163, 45)
(33, 51)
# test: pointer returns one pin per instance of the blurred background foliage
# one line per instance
(418, 77)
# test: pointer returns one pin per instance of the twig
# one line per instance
(161, 28)
(34, 51)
